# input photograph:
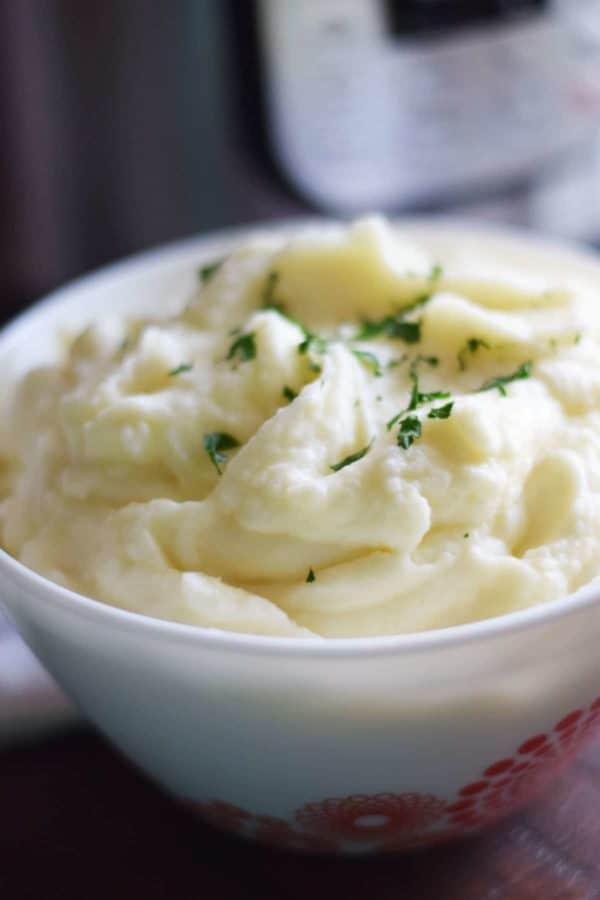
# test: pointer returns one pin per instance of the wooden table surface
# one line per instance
(79, 823)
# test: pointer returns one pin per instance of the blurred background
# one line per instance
(129, 123)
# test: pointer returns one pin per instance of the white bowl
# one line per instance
(351, 745)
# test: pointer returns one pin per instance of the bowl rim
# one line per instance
(495, 628)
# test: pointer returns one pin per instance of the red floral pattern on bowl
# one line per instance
(511, 782)
(264, 829)
(388, 822)
(363, 817)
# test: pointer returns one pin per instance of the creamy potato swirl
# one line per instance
(343, 433)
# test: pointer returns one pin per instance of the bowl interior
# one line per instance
(159, 282)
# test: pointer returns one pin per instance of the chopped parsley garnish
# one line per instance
(472, 346)
(310, 577)
(441, 412)
(466, 534)
(394, 325)
(354, 457)
(244, 347)
(270, 301)
(268, 294)
(577, 338)
(421, 300)
(369, 360)
(409, 332)
(205, 273)
(312, 342)
(123, 345)
(432, 361)
(436, 272)
(499, 382)
(418, 398)
(214, 443)
(183, 367)
(396, 418)
(288, 393)
(410, 429)
(371, 329)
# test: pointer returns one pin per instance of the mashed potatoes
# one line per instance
(342, 434)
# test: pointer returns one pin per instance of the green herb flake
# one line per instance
(441, 412)
(270, 301)
(409, 332)
(432, 361)
(205, 273)
(417, 398)
(178, 370)
(436, 272)
(466, 534)
(394, 326)
(421, 300)
(370, 361)
(370, 329)
(244, 347)
(288, 393)
(431, 395)
(499, 382)
(577, 338)
(214, 444)
(390, 424)
(354, 457)
(268, 294)
(313, 343)
(311, 576)
(410, 429)
(472, 346)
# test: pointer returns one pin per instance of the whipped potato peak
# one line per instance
(350, 431)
